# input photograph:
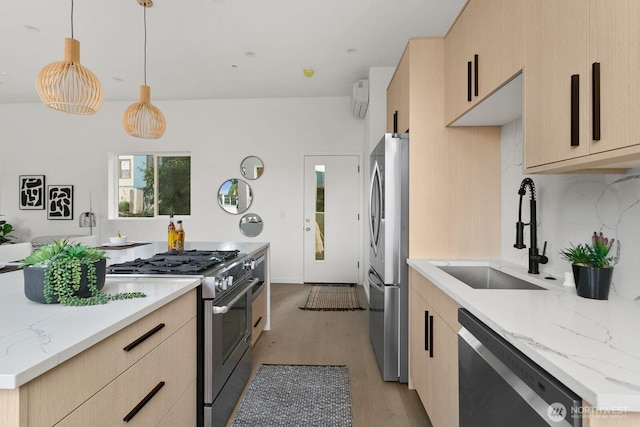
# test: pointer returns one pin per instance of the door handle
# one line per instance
(595, 104)
(475, 75)
(431, 336)
(575, 110)
(307, 228)
(426, 330)
(469, 81)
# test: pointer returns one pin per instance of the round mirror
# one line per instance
(251, 224)
(252, 167)
(235, 196)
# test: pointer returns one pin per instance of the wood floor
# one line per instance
(336, 338)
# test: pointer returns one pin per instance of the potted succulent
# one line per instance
(592, 266)
(68, 274)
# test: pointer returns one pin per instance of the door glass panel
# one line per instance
(320, 212)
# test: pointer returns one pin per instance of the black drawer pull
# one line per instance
(475, 75)
(469, 81)
(143, 402)
(426, 330)
(575, 110)
(143, 337)
(430, 336)
(258, 321)
(595, 93)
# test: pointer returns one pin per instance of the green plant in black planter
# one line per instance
(69, 274)
(592, 265)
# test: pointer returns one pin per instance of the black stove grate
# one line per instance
(174, 262)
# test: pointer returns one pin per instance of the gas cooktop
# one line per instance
(175, 262)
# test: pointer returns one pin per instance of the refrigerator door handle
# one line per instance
(375, 217)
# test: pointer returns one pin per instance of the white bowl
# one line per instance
(118, 240)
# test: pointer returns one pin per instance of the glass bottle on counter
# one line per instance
(179, 245)
(171, 234)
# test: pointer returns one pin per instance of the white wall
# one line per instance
(570, 207)
(73, 150)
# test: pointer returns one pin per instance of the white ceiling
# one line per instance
(208, 49)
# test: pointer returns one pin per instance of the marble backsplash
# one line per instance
(570, 207)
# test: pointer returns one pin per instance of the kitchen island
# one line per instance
(47, 351)
(591, 346)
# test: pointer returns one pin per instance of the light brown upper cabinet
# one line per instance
(483, 50)
(398, 96)
(582, 101)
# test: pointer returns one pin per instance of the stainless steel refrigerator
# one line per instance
(389, 249)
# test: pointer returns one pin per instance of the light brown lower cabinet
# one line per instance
(104, 384)
(433, 350)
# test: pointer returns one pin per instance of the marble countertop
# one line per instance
(35, 338)
(592, 346)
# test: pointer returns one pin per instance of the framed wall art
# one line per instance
(60, 203)
(31, 192)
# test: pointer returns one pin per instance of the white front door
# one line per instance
(331, 219)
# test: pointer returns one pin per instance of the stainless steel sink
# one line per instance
(482, 277)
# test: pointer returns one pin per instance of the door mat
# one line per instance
(297, 395)
(333, 298)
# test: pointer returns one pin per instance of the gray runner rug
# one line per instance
(297, 395)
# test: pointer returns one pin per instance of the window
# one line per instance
(153, 184)
(125, 168)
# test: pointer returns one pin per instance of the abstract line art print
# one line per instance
(60, 204)
(32, 192)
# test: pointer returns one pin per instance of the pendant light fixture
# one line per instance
(143, 119)
(68, 86)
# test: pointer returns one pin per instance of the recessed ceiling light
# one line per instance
(234, 66)
(308, 72)
(250, 54)
(352, 51)
(32, 29)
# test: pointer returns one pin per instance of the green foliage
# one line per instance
(174, 186)
(594, 255)
(5, 229)
(124, 206)
(63, 272)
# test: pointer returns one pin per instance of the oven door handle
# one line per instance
(225, 308)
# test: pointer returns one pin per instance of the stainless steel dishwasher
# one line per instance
(500, 386)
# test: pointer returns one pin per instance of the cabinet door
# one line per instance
(444, 375)
(398, 95)
(498, 40)
(458, 47)
(556, 47)
(615, 45)
(419, 374)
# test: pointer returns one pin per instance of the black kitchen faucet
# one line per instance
(534, 258)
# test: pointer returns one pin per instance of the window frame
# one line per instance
(114, 185)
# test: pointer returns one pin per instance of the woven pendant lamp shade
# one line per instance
(68, 86)
(143, 119)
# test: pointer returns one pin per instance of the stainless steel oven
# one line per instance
(227, 344)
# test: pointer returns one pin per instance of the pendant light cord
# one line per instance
(71, 18)
(145, 43)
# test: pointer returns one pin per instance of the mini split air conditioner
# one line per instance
(360, 98)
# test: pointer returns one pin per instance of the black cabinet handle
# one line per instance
(143, 402)
(475, 75)
(595, 104)
(139, 341)
(426, 330)
(395, 121)
(469, 81)
(258, 321)
(431, 336)
(575, 110)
